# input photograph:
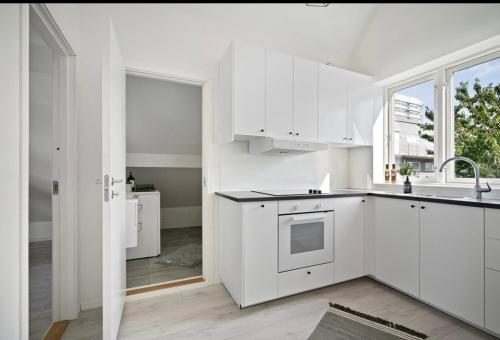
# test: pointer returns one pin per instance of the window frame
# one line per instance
(450, 117)
(389, 157)
(444, 147)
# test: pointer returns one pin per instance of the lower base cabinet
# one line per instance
(300, 280)
(350, 215)
(492, 300)
(452, 259)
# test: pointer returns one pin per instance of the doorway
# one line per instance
(164, 169)
(51, 155)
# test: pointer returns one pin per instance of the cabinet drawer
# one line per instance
(492, 300)
(492, 223)
(297, 206)
(492, 254)
(304, 279)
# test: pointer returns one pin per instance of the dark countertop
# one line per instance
(249, 196)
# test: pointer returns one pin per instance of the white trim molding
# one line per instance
(153, 160)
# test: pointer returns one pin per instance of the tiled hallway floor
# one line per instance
(180, 258)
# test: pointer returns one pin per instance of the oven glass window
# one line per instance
(306, 237)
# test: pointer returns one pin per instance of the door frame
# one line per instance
(65, 304)
(208, 231)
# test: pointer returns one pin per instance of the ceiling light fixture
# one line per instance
(318, 4)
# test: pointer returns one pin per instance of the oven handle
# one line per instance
(308, 218)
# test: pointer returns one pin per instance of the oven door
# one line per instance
(305, 240)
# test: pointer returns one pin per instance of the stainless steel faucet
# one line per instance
(477, 186)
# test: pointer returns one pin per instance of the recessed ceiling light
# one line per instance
(318, 4)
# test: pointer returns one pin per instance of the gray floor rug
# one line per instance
(341, 323)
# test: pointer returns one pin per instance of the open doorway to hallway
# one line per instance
(164, 169)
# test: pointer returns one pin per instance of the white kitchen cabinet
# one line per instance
(148, 225)
(332, 104)
(452, 259)
(242, 80)
(248, 255)
(347, 102)
(349, 238)
(305, 99)
(492, 300)
(361, 101)
(279, 95)
(397, 243)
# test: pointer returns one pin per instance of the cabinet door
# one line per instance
(260, 252)
(492, 298)
(279, 95)
(349, 238)
(148, 227)
(361, 95)
(396, 243)
(332, 104)
(305, 99)
(249, 106)
(452, 259)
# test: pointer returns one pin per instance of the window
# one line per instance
(412, 124)
(455, 111)
(475, 117)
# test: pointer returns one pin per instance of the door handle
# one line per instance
(113, 194)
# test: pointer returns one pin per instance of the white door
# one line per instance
(397, 243)
(332, 104)
(452, 259)
(305, 99)
(113, 171)
(279, 95)
(349, 238)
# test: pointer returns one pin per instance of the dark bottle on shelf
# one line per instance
(131, 181)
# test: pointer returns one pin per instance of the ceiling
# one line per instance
(194, 36)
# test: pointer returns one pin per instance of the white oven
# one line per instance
(305, 239)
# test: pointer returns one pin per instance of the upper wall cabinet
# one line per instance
(305, 99)
(347, 102)
(242, 92)
(263, 93)
(279, 95)
(332, 104)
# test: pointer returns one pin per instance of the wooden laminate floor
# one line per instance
(210, 313)
(40, 288)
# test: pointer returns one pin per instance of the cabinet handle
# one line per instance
(308, 273)
(422, 207)
(363, 201)
(413, 205)
(296, 134)
(262, 205)
(261, 130)
(345, 138)
(290, 133)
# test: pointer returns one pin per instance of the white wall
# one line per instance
(40, 162)
(401, 36)
(240, 170)
(163, 117)
(12, 260)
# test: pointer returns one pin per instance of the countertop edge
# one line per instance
(375, 194)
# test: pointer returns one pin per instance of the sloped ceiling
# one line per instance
(193, 36)
(402, 36)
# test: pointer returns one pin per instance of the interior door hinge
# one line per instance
(55, 187)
